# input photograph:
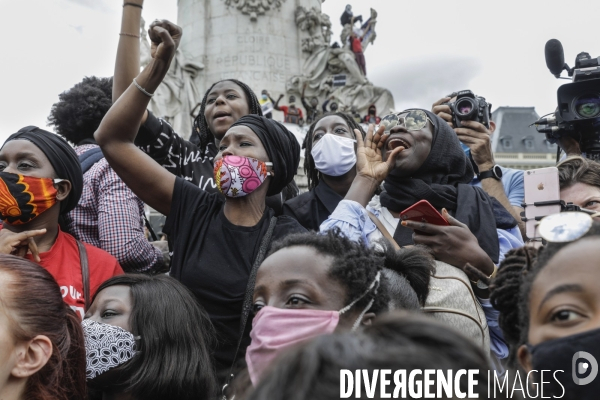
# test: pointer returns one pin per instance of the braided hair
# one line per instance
(204, 135)
(504, 294)
(312, 174)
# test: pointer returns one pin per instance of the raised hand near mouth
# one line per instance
(371, 169)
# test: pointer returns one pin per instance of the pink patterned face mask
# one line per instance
(239, 176)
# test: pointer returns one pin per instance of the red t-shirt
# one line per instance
(356, 45)
(285, 109)
(62, 261)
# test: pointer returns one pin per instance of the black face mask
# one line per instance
(577, 356)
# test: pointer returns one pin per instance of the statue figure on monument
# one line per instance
(178, 95)
(324, 62)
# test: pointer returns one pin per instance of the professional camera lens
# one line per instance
(465, 108)
(587, 106)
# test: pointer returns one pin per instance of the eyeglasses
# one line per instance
(414, 120)
(566, 226)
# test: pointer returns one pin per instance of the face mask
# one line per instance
(106, 347)
(276, 329)
(334, 155)
(576, 355)
(264, 97)
(239, 176)
(22, 198)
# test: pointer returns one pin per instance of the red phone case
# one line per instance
(423, 211)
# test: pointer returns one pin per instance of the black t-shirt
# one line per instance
(314, 207)
(213, 258)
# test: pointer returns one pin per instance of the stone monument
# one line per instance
(277, 45)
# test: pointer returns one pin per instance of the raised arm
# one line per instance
(116, 133)
(127, 63)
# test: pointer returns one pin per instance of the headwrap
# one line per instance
(443, 180)
(62, 157)
(281, 146)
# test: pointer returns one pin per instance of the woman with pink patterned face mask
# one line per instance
(217, 240)
(318, 284)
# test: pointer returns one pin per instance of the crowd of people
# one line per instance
(268, 293)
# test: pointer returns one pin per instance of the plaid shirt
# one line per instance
(110, 216)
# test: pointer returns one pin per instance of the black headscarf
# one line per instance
(281, 146)
(443, 180)
(62, 157)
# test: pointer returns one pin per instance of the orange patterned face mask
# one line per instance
(22, 198)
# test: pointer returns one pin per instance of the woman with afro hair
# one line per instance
(224, 103)
(108, 214)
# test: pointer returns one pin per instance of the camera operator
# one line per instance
(580, 182)
(508, 189)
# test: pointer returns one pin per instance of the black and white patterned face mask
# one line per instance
(106, 347)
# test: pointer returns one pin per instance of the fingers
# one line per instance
(369, 136)
(391, 158)
(25, 235)
(424, 227)
(451, 220)
(33, 249)
(380, 137)
(475, 126)
(359, 139)
(21, 251)
(440, 102)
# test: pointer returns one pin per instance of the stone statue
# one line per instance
(324, 62)
(178, 95)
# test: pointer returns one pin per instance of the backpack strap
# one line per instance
(383, 231)
(85, 273)
(89, 158)
(247, 307)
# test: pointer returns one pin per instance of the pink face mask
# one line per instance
(275, 329)
(237, 176)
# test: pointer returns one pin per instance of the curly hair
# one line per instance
(312, 174)
(355, 266)
(205, 136)
(80, 109)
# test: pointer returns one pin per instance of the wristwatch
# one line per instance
(481, 284)
(495, 172)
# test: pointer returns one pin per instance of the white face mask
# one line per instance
(334, 155)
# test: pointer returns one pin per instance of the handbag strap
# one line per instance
(383, 231)
(247, 307)
(85, 273)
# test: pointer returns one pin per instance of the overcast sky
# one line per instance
(424, 49)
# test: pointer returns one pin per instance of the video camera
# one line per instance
(578, 112)
(469, 107)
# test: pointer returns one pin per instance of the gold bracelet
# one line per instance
(129, 34)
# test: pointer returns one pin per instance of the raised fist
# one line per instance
(165, 37)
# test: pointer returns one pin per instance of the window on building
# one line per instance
(506, 142)
(528, 142)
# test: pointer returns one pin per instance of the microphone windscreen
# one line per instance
(555, 56)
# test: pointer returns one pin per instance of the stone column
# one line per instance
(255, 41)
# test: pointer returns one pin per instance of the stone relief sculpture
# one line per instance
(324, 61)
(254, 8)
(177, 96)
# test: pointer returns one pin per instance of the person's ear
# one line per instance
(367, 319)
(32, 357)
(492, 126)
(63, 188)
(524, 357)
